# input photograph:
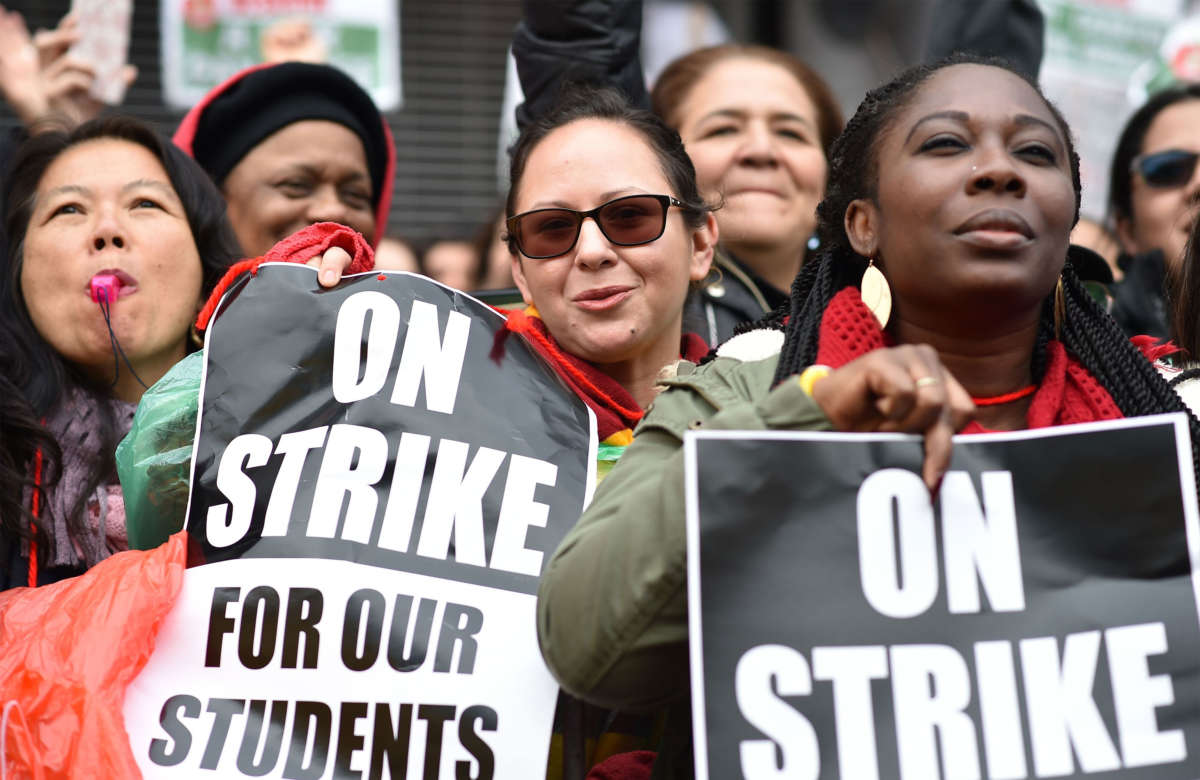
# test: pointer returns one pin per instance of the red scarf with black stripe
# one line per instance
(617, 413)
(1068, 393)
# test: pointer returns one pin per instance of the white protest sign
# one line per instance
(374, 494)
(306, 674)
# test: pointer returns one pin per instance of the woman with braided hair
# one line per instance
(955, 186)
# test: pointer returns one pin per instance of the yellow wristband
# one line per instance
(810, 376)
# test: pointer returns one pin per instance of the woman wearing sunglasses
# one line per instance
(1153, 192)
(607, 232)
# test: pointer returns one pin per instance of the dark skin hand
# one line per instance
(904, 389)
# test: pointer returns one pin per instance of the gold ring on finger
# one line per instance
(926, 381)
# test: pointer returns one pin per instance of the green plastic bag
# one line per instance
(154, 459)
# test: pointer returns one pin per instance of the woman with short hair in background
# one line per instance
(757, 123)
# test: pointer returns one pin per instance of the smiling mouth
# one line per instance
(757, 191)
(602, 298)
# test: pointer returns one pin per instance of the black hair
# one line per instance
(579, 101)
(34, 378)
(1086, 330)
(1184, 297)
(1129, 146)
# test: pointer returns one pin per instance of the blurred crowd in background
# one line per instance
(443, 77)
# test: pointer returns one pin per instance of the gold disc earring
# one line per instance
(876, 294)
(1060, 309)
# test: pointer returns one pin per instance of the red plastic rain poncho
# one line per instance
(67, 653)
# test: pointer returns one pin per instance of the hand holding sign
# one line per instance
(904, 389)
(330, 265)
(1037, 619)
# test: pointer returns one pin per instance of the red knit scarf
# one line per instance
(616, 410)
(300, 247)
(1068, 392)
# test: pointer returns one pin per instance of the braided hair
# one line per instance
(1086, 330)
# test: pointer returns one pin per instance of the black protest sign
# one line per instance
(302, 438)
(1038, 618)
(375, 491)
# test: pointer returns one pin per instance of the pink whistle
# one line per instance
(104, 287)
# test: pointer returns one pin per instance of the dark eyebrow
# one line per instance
(163, 187)
(74, 189)
(314, 171)
(604, 198)
(722, 112)
(1028, 119)
(958, 116)
(734, 113)
(962, 116)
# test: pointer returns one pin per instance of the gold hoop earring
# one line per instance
(1060, 309)
(196, 336)
(876, 294)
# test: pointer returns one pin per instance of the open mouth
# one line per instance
(111, 284)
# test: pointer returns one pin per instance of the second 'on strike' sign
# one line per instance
(1037, 618)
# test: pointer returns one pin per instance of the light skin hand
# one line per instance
(19, 68)
(903, 389)
(330, 265)
(39, 78)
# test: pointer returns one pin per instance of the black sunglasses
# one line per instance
(1168, 168)
(628, 221)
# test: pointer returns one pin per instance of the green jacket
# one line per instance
(612, 605)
